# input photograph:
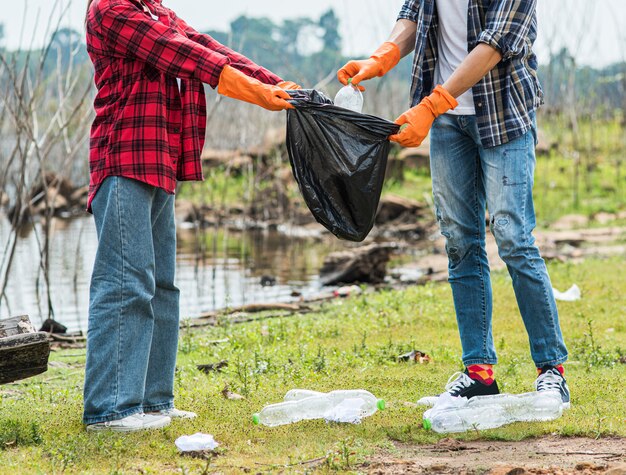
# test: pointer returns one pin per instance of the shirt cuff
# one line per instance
(411, 16)
(267, 77)
(210, 68)
(498, 41)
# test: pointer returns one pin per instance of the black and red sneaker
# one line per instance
(551, 379)
(461, 385)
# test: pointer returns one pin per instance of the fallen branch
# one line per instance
(305, 462)
(602, 454)
(252, 308)
(215, 342)
(67, 339)
(212, 318)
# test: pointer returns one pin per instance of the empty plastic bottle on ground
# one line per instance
(372, 402)
(349, 97)
(488, 412)
(303, 404)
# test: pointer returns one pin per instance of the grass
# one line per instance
(349, 343)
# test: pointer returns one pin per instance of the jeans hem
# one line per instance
(159, 407)
(480, 361)
(554, 362)
(112, 417)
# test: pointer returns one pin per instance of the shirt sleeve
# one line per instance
(237, 60)
(507, 24)
(409, 10)
(130, 33)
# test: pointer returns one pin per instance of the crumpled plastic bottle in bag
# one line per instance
(350, 97)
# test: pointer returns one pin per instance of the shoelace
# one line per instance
(548, 381)
(458, 381)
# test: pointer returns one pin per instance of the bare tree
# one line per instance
(45, 112)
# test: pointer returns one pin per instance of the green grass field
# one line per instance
(349, 343)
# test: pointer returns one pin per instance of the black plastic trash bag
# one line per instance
(338, 158)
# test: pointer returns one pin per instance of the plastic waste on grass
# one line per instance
(196, 442)
(349, 97)
(459, 414)
(338, 396)
(570, 295)
(336, 406)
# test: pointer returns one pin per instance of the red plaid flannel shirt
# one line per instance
(145, 128)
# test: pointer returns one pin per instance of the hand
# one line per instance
(416, 122)
(288, 86)
(380, 63)
(233, 83)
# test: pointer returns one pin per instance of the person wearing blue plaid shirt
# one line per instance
(475, 90)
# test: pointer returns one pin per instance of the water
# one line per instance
(215, 269)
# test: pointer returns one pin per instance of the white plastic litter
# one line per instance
(459, 414)
(348, 410)
(349, 97)
(303, 404)
(446, 401)
(428, 401)
(196, 442)
(570, 295)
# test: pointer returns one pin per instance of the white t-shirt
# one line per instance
(452, 46)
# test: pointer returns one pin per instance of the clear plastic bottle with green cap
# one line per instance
(489, 412)
(303, 404)
(350, 97)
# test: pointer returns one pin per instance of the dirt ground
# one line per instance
(549, 455)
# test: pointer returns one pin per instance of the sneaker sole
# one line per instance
(159, 424)
(182, 417)
(171, 416)
(90, 428)
(153, 425)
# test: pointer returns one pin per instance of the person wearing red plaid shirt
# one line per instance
(147, 135)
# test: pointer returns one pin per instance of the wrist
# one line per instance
(441, 101)
(387, 56)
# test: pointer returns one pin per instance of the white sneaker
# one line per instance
(132, 423)
(178, 414)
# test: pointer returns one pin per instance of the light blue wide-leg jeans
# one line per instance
(132, 336)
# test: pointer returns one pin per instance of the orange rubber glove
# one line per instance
(288, 85)
(233, 83)
(417, 121)
(380, 63)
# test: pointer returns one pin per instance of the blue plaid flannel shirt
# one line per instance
(505, 98)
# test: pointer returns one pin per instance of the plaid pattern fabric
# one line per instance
(481, 372)
(506, 96)
(145, 128)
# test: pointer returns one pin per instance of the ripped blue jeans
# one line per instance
(467, 180)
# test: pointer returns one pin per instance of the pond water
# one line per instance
(215, 269)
